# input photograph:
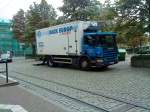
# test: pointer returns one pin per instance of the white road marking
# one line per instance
(3, 76)
(13, 108)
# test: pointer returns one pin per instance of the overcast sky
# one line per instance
(9, 7)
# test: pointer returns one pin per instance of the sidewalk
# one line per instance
(10, 82)
(16, 99)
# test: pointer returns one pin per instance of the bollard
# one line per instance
(6, 71)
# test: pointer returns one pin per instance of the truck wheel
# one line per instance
(104, 67)
(50, 62)
(84, 64)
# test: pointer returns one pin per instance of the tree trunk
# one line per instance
(33, 49)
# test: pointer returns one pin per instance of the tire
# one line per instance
(84, 64)
(44, 60)
(50, 62)
(104, 67)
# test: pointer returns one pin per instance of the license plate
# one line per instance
(111, 62)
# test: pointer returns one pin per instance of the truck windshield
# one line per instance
(100, 40)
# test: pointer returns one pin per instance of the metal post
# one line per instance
(6, 72)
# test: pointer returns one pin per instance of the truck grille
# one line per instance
(110, 55)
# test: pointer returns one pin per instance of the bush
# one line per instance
(144, 52)
(140, 61)
(140, 57)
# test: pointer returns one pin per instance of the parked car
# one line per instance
(6, 57)
(144, 51)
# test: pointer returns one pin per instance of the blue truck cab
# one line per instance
(100, 48)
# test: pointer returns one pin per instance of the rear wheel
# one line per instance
(50, 62)
(84, 64)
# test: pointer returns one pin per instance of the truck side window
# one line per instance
(97, 41)
(88, 40)
(85, 40)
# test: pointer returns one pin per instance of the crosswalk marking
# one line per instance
(13, 108)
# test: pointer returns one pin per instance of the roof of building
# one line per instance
(5, 20)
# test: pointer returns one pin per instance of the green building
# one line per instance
(8, 41)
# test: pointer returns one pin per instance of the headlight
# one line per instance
(99, 61)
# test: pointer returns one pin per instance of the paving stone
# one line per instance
(98, 101)
(136, 109)
(119, 81)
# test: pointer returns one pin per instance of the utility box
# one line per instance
(121, 54)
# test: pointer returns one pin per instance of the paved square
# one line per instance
(120, 82)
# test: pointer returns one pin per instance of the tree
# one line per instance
(80, 9)
(131, 20)
(18, 25)
(38, 16)
(47, 12)
(108, 15)
(33, 18)
(148, 8)
(93, 10)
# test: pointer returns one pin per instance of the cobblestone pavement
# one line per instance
(5, 110)
(121, 82)
(20, 99)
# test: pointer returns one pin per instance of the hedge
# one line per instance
(140, 61)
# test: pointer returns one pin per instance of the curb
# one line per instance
(11, 83)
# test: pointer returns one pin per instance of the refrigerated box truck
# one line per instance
(77, 43)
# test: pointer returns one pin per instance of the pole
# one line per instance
(148, 5)
(6, 72)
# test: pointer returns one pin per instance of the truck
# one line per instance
(77, 43)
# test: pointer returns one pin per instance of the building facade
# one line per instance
(7, 39)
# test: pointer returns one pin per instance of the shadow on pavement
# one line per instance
(72, 67)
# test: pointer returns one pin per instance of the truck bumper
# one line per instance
(102, 64)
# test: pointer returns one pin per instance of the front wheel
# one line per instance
(104, 67)
(84, 64)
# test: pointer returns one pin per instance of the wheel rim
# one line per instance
(84, 64)
(50, 63)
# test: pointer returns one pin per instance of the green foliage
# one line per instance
(18, 25)
(38, 16)
(148, 21)
(107, 16)
(129, 18)
(140, 61)
(80, 9)
(47, 12)
(139, 57)
(32, 20)
(131, 21)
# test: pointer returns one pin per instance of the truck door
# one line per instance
(72, 43)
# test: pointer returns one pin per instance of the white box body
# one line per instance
(64, 39)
